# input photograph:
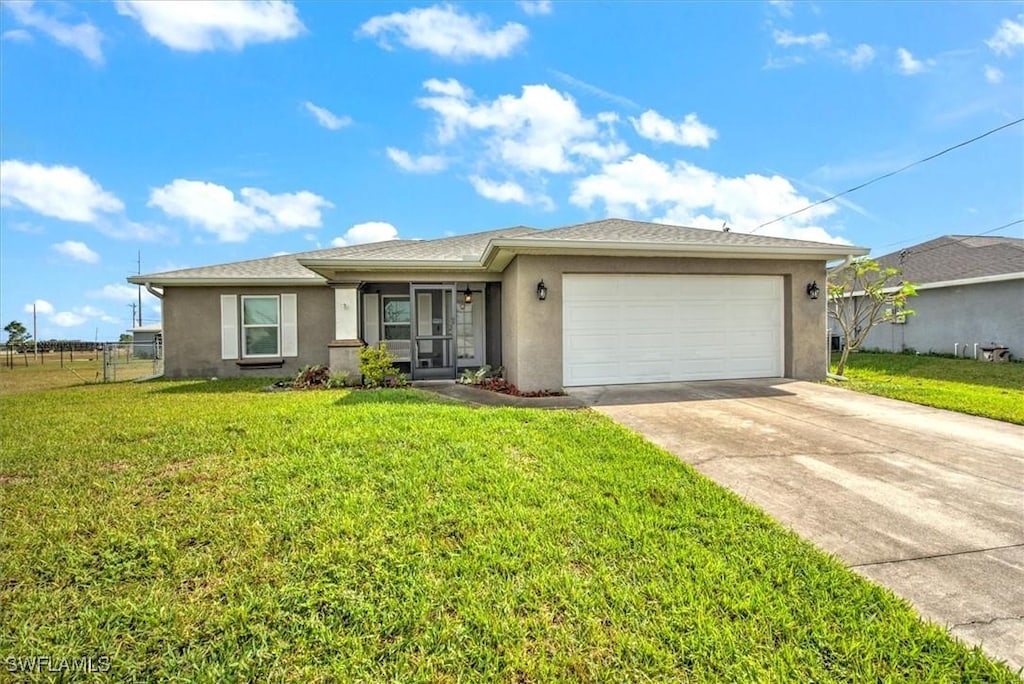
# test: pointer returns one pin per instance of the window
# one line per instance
(261, 329)
(397, 317)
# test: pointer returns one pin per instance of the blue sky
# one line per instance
(202, 133)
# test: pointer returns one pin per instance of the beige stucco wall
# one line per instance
(191, 322)
(532, 330)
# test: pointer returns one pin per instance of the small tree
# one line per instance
(861, 295)
(17, 334)
(125, 338)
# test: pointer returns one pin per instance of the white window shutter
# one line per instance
(289, 325)
(228, 327)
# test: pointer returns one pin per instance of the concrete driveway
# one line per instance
(927, 502)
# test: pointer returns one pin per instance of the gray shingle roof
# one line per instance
(287, 266)
(621, 230)
(956, 257)
(463, 248)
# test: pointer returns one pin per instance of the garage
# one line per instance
(621, 329)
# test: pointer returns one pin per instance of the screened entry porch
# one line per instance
(434, 330)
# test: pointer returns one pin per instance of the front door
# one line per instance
(433, 321)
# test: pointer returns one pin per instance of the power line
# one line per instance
(890, 174)
(916, 252)
(955, 232)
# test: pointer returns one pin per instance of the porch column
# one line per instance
(343, 352)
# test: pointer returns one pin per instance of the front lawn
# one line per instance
(992, 390)
(207, 531)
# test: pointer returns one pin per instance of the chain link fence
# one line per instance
(132, 361)
(55, 364)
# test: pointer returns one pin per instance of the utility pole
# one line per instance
(139, 288)
(35, 335)
(133, 314)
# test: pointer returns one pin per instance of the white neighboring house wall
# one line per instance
(979, 311)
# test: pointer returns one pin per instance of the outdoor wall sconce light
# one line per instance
(467, 296)
(813, 290)
(542, 291)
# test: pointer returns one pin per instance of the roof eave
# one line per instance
(322, 266)
(960, 282)
(157, 281)
(499, 253)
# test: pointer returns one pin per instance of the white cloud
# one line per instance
(451, 87)
(63, 192)
(83, 37)
(907, 65)
(859, 57)
(42, 307)
(118, 292)
(93, 312)
(133, 230)
(215, 209)
(200, 25)
(427, 163)
(67, 319)
(783, 7)
(508, 191)
(789, 39)
(122, 294)
(537, 131)
(993, 75)
(17, 36)
(535, 7)
(784, 62)
(689, 195)
(446, 31)
(1008, 37)
(327, 118)
(362, 233)
(78, 251)
(690, 132)
(288, 210)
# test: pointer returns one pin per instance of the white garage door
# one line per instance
(635, 328)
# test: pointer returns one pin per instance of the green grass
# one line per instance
(992, 390)
(204, 530)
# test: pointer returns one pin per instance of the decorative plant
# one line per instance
(312, 377)
(377, 366)
(477, 377)
(861, 295)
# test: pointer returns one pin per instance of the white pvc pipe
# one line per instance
(956, 349)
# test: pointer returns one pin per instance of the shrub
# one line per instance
(312, 377)
(378, 367)
(477, 377)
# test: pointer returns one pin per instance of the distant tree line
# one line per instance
(19, 339)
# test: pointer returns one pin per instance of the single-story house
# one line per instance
(147, 341)
(606, 302)
(970, 292)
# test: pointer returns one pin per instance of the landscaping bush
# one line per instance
(312, 377)
(377, 365)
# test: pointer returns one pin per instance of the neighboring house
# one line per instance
(147, 341)
(970, 292)
(607, 302)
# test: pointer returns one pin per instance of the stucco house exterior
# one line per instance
(970, 292)
(606, 302)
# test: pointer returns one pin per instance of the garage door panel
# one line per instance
(622, 329)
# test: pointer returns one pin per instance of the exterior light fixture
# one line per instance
(542, 291)
(813, 290)
(467, 296)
